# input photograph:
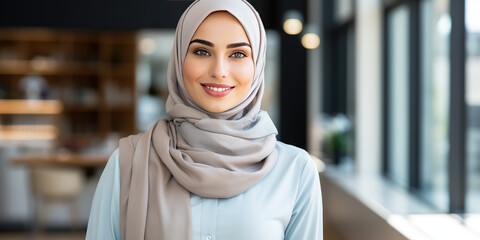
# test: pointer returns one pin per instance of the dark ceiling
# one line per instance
(107, 14)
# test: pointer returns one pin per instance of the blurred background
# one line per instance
(386, 93)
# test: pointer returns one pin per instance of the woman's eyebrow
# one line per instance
(234, 45)
(204, 42)
(210, 44)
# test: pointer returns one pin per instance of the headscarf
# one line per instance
(212, 155)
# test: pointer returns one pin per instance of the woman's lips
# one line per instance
(217, 90)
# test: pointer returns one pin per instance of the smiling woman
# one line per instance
(213, 169)
(218, 69)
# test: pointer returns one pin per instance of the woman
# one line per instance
(213, 169)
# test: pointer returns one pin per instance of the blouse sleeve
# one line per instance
(104, 220)
(306, 222)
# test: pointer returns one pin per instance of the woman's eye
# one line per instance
(238, 55)
(201, 52)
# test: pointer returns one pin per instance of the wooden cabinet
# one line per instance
(89, 75)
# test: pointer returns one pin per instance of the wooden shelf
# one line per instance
(47, 35)
(47, 67)
(28, 132)
(30, 107)
(64, 159)
(91, 72)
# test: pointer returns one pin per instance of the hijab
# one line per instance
(212, 155)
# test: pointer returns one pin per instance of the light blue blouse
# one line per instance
(285, 204)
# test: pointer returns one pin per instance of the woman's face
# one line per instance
(218, 69)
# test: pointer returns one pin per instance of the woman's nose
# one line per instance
(219, 69)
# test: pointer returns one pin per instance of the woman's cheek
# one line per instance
(245, 72)
(192, 70)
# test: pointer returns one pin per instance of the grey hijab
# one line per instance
(213, 155)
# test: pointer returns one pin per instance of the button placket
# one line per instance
(209, 218)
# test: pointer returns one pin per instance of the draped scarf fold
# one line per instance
(212, 155)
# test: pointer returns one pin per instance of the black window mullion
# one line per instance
(385, 102)
(457, 126)
(328, 54)
(414, 100)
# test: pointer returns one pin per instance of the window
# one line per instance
(432, 100)
(397, 101)
(472, 99)
(435, 72)
(338, 91)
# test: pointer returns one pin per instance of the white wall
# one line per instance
(368, 83)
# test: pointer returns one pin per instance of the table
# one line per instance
(63, 159)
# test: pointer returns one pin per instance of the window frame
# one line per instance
(457, 161)
(414, 104)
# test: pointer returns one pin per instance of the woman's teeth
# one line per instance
(217, 89)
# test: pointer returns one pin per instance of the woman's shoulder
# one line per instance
(111, 172)
(292, 158)
(292, 152)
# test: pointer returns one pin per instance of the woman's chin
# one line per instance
(217, 108)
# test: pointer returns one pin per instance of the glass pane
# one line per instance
(339, 109)
(473, 104)
(271, 98)
(153, 52)
(435, 30)
(398, 93)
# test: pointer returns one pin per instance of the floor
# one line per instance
(329, 234)
(44, 236)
